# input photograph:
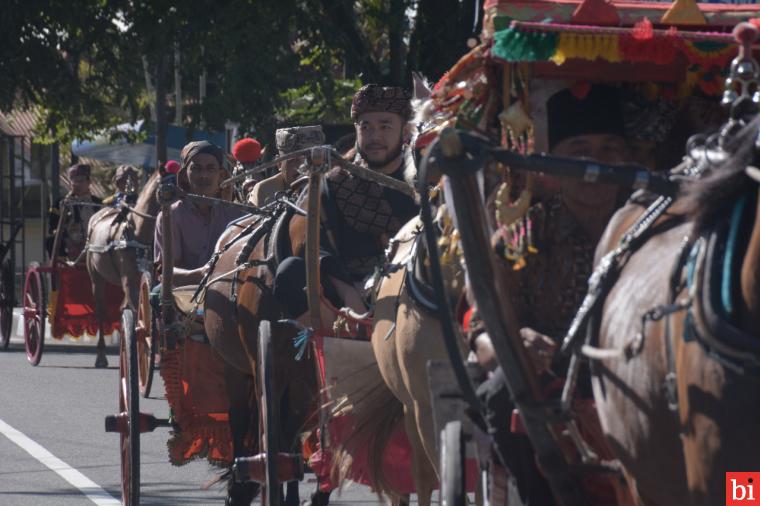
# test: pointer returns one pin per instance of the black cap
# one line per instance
(600, 111)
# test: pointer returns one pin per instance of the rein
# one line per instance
(330, 154)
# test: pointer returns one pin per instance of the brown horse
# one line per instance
(714, 357)
(405, 337)
(116, 238)
(237, 299)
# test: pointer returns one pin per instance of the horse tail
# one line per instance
(375, 418)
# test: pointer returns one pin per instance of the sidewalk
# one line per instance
(17, 334)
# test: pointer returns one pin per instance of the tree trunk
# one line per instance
(161, 119)
(396, 40)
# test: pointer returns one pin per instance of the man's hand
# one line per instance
(540, 348)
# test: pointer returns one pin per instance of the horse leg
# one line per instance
(240, 416)
(98, 292)
(422, 471)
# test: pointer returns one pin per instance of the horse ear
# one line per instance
(421, 88)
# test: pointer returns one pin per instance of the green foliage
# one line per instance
(268, 63)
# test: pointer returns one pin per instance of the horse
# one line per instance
(238, 297)
(108, 261)
(686, 396)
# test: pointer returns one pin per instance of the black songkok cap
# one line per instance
(599, 112)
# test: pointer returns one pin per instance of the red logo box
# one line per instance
(743, 489)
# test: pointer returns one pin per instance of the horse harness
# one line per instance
(126, 240)
(704, 268)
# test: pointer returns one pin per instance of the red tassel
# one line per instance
(643, 30)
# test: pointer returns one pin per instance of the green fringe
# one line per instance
(513, 45)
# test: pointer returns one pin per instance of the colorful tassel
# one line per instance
(587, 47)
(514, 45)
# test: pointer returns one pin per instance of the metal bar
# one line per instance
(167, 270)
(629, 176)
(312, 249)
(264, 166)
(358, 170)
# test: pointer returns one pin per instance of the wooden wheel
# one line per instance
(269, 410)
(129, 402)
(6, 303)
(145, 333)
(35, 312)
(452, 465)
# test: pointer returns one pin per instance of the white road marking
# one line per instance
(85, 485)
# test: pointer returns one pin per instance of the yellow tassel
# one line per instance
(587, 47)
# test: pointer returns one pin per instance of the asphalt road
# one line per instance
(61, 405)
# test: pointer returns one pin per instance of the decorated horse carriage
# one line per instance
(495, 173)
(202, 381)
(496, 97)
(70, 306)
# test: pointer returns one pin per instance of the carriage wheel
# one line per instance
(269, 411)
(145, 336)
(35, 312)
(452, 465)
(6, 303)
(129, 402)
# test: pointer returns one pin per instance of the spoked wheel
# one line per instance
(269, 410)
(35, 312)
(129, 402)
(6, 303)
(452, 465)
(145, 333)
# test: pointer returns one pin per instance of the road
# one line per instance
(61, 405)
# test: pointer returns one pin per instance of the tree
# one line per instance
(267, 62)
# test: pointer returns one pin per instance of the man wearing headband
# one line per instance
(288, 140)
(196, 227)
(125, 181)
(361, 216)
(77, 215)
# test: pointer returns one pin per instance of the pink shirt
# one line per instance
(194, 235)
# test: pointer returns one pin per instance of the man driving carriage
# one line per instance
(196, 226)
(125, 180)
(76, 215)
(288, 140)
(360, 216)
(581, 123)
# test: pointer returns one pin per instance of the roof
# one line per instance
(19, 123)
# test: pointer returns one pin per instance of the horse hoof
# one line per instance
(241, 494)
(320, 499)
(101, 361)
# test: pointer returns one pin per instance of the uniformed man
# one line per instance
(125, 180)
(76, 215)
(361, 216)
(288, 140)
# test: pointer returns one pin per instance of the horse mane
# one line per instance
(713, 196)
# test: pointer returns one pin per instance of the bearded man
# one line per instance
(361, 216)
